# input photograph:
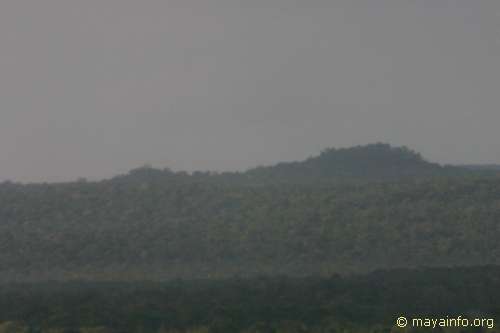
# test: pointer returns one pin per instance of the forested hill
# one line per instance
(153, 229)
(374, 162)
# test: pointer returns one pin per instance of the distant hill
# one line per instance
(373, 162)
(394, 209)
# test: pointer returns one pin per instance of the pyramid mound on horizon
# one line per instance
(373, 161)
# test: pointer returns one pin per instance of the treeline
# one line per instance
(373, 162)
(159, 224)
(361, 303)
(157, 230)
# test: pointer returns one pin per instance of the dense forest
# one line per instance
(373, 162)
(158, 225)
(357, 304)
(341, 242)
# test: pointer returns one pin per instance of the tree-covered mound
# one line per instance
(153, 224)
(373, 162)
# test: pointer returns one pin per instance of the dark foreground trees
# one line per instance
(361, 303)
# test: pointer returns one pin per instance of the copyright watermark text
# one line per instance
(459, 321)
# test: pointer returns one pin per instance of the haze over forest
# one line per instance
(328, 244)
(259, 166)
(93, 89)
(331, 213)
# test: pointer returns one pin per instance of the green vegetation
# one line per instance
(374, 162)
(364, 303)
(343, 242)
(158, 225)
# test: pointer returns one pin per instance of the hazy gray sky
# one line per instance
(93, 88)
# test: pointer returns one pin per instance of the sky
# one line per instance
(95, 88)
